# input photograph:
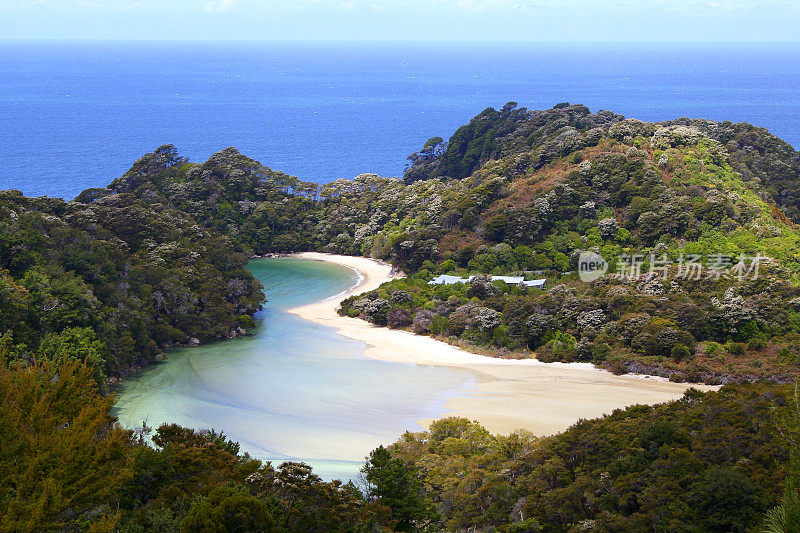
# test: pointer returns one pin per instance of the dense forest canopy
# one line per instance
(525, 192)
(732, 177)
(115, 281)
(93, 287)
(157, 258)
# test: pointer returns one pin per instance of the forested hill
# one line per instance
(517, 192)
(114, 282)
(158, 256)
(493, 134)
(452, 191)
(548, 135)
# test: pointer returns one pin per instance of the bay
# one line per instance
(294, 390)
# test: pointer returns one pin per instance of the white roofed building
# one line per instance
(444, 279)
(448, 280)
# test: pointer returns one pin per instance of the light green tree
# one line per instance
(785, 518)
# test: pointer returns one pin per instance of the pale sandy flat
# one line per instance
(542, 397)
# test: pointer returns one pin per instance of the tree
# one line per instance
(432, 149)
(398, 486)
(63, 458)
(196, 461)
(680, 352)
(398, 318)
(228, 509)
(76, 344)
(785, 518)
(481, 287)
(608, 227)
(723, 500)
(306, 503)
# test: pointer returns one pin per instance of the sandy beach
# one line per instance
(544, 398)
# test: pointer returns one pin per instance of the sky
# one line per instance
(403, 20)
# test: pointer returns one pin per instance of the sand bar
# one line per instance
(510, 394)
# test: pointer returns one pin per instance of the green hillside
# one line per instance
(695, 220)
(114, 282)
(526, 192)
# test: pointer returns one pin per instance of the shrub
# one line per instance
(757, 343)
(485, 319)
(790, 355)
(713, 347)
(662, 342)
(481, 287)
(591, 319)
(560, 346)
(423, 274)
(422, 321)
(600, 351)
(736, 348)
(538, 324)
(439, 324)
(401, 297)
(375, 311)
(680, 352)
(459, 321)
(398, 318)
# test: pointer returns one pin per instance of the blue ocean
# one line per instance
(75, 115)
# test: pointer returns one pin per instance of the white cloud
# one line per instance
(92, 5)
(505, 5)
(24, 4)
(219, 6)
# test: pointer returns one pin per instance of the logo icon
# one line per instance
(591, 266)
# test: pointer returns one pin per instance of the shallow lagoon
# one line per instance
(295, 390)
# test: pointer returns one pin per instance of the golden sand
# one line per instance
(544, 398)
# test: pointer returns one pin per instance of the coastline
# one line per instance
(510, 394)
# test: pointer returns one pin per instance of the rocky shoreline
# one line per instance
(193, 342)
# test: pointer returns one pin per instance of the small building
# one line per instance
(444, 279)
(447, 280)
(511, 280)
(535, 283)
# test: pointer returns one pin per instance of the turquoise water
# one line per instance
(294, 390)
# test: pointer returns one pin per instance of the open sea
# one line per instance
(75, 115)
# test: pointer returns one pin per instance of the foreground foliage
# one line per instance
(706, 462)
(65, 465)
(63, 461)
